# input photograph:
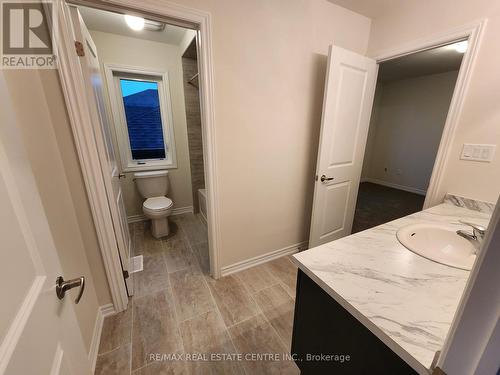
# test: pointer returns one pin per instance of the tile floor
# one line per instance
(178, 308)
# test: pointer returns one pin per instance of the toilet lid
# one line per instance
(158, 203)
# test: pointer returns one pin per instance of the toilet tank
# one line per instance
(152, 183)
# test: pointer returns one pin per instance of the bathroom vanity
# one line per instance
(368, 297)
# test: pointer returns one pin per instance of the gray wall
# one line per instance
(405, 130)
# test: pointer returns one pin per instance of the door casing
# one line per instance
(94, 80)
(473, 32)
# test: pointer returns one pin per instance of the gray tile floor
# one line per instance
(178, 308)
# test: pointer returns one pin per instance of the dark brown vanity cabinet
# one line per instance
(327, 339)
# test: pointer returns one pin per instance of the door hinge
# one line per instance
(125, 275)
(79, 48)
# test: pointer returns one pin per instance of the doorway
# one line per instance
(139, 122)
(412, 99)
(151, 121)
(347, 107)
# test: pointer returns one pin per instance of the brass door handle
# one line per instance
(324, 178)
(63, 286)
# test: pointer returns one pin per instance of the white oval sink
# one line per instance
(438, 243)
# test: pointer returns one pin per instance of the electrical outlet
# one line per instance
(478, 152)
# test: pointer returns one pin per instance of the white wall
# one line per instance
(410, 20)
(269, 68)
(189, 35)
(118, 49)
(406, 128)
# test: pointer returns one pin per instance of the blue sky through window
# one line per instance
(142, 112)
(130, 87)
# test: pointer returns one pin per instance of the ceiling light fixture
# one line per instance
(460, 47)
(135, 23)
(153, 25)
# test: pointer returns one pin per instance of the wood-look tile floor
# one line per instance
(178, 309)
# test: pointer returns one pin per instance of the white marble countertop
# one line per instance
(406, 300)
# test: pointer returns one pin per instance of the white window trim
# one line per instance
(120, 124)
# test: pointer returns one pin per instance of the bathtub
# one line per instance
(202, 201)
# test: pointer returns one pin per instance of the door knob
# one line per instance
(122, 175)
(63, 286)
(324, 178)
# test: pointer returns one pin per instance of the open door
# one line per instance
(89, 63)
(347, 104)
(39, 333)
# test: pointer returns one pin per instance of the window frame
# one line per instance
(113, 74)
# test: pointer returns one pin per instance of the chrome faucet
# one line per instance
(477, 235)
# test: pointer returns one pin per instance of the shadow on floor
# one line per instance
(377, 204)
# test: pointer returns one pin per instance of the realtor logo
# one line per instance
(27, 35)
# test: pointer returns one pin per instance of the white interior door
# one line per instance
(93, 79)
(347, 104)
(39, 333)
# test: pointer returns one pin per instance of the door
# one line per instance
(347, 104)
(39, 333)
(93, 80)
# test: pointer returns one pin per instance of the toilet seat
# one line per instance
(157, 204)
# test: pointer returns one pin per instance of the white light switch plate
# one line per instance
(478, 152)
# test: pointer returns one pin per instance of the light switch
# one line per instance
(478, 152)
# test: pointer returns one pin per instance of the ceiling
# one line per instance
(114, 23)
(368, 8)
(433, 61)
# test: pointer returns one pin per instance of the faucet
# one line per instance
(477, 235)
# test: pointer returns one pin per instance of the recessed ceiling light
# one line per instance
(135, 23)
(460, 47)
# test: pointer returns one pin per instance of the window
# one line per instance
(142, 117)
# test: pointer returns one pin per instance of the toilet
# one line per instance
(153, 185)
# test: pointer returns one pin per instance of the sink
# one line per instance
(438, 243)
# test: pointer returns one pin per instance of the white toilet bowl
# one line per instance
(157, 207)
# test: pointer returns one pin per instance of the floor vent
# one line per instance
(136, 264)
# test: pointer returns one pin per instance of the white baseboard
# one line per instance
(135, 218)
(102, 312)
(255, 261)
(395, 186)
(107, 310)
(183, 210)
(175, 211)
